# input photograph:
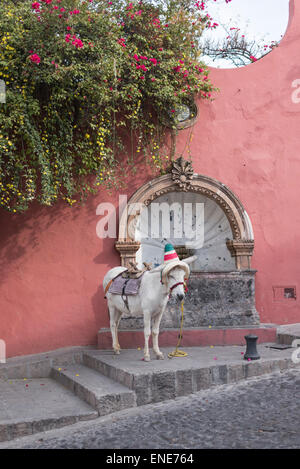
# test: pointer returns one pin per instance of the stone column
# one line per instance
(242, 250)
(127, 250)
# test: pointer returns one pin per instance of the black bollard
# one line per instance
(251, 351)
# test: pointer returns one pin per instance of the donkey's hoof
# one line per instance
(160, 356)
(147, 358)
(117, 352)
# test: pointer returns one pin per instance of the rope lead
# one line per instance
(179, 353)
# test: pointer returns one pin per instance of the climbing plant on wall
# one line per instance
(87, 82)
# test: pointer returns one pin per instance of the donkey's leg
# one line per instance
(155, 332)
(113, 313)
(147, 331)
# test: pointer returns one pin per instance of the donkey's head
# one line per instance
(175, 282)
(174, 276)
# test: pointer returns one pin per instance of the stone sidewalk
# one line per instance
(257, 413)
(50, 390)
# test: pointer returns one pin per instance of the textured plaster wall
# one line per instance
(52, 262)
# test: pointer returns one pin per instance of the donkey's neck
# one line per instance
(161, 287)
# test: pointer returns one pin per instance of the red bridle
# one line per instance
(179, 283)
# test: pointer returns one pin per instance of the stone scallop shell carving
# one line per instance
(182, 173)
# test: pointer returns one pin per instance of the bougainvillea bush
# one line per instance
(88, 81)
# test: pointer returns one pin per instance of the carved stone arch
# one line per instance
(182, 178)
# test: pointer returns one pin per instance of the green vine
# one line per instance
(88, 82)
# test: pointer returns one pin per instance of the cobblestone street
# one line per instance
(258, 413)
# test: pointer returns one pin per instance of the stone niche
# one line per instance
(221, 287)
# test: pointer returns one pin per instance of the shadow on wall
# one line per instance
(110, 258)
(20, 232)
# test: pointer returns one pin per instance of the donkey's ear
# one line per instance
(189, 260)
(156, 269)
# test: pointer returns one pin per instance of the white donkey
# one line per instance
(156, 286)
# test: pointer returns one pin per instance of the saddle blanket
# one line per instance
(125, 286)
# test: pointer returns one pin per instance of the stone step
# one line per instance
(102, 393)
(203, 368)
(29, 406)
(288, 333)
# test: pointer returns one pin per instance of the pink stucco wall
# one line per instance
(52, 262)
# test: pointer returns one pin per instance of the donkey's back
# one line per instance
(112, 273)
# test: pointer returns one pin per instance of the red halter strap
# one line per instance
(179, 283)
(176, 285)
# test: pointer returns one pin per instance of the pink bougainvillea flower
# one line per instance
(154, 61)
(35, 58)
(77, 43)
(67, 38)
(36, 6)
(121, 41)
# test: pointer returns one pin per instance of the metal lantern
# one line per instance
(251, 351)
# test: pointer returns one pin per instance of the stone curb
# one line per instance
(10, 431)
(39, 365)
(161, 385)
(286, 334)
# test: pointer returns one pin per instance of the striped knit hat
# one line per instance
(171, 260)
(170, 254)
